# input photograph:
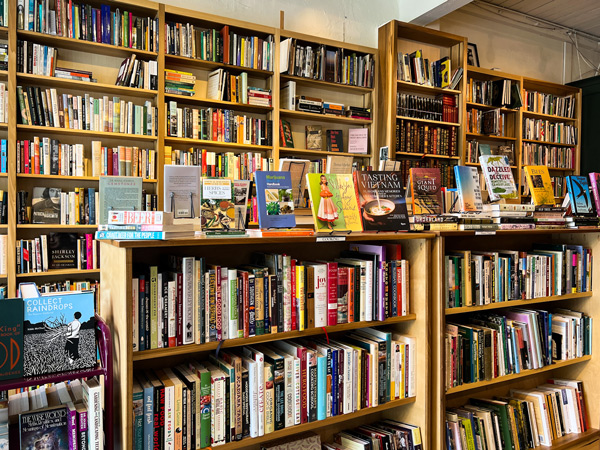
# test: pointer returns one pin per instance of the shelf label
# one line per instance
(485, 233)
(331, 238)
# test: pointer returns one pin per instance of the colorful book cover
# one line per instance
(314, 137)
(335, 140)
(579, 195)
(595, 186)
(287, 139)
(333, 202)
(217, 210)
(59, 333)
(540, 185)
(241, 192)
(498, 177)
(11, 338)
(381, 200)
(275, 200)
(45, 429)
(469, 192)
(426, 190)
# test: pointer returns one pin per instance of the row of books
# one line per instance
(442, 108)
(66, 413)
(139, 74)
(216, 124)
(124, 161)
(524, 418)
(559, 185)
(36, 59)
(200, 302)
(545, 155)
(57, 251)
(255, 391)
(494, 345)
(234, 88)
(481, 278)
(387, 433)
(486, 122)
(71, 285)
(500, 93)
(84, 22)
(415, 137)
(226, 165)
(547, 131)
(223, 46)
(555, 105)
(52, 206)
(321, 62)
(180, 83)
(414, 68)
(45, 107)
(446, 169)
(3, 103)
(475, 149)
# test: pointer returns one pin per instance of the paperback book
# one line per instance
(333, 202)
(275, 200)
(469, 192)
(579, 195)
(62, 250)
(540, 185)
(119, 193)
(314, 137)
(45, 205)
(241, 192)
(426, 191)
(217, 210)
(335, 140)
(287, 139)
(11, 339)
(45, 429)
(381, 200)
(59, 333)
(498, 177)
(182, 191)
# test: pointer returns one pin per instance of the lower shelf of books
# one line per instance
(514, 376)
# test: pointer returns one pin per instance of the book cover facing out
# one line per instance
(314, 137)
(275, 199)
(335, 140)
(595, 187)
(62, 250)
(381, 200)
(45, 205)
(426, 190)
(217, 210)
(540, 185)
(287, 139)
(59, 333)
(498, 177)
(241, 192)
(45, 429)
(11, 339)
(333, 202)
(579, 195)
(119, 193)
(469, 192)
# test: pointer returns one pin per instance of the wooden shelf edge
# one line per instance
(515, 376)
(99, 134)
(559, 144)
(325, 84)
(231, 145)
(507, 304)
(209, 346)
(38, 226)
(568, 441)
(61, 272)
(433, 122)
(323, 117)
(71, 178)
(423, 87)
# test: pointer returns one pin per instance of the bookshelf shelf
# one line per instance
(433, 122)
(57, 272)
(489, 107)
(551, 117)
(323, 117)
(84, 85)
(557, 144)
(220, 103)
(3, 226)
(39, 226)
(3, 175)
(432, 90)
(3, 32)
(3, 73)
(573, 441)
(68, 178)
(226, 145)
(329, 85)
(97, 134)
(191, 63)
(512, 303)
(210, 346)
(490, 137)
(322, 153)
(83, 46)
(515, 376)
(3, 126)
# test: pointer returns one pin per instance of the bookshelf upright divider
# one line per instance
(11, 145)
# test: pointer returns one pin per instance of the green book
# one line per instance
(500, 408)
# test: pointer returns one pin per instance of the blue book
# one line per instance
(31, 8)
(579, 195)
(92, 205)
(321, 386)
(275, 201)
(105, 15)
(334, 382)
(131, 235)
(3, 156)
(148, 415)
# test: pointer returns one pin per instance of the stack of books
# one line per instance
(511, 216)
(358, 112)
(549, 217)
(179, 83)
(259, 96)
(384, 434)
(309, 104)
(142, 225)
(337, 109)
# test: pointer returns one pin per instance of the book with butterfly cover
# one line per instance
(579, 195)
(426, 190)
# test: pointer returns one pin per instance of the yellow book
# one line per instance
(300, 296)
(540, 185)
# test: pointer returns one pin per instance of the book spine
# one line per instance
(82, 430)
(332, 298)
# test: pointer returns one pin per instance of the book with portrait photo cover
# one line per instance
(45, 205)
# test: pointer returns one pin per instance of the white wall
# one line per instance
(502, 42)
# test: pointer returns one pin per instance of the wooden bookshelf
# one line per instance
(74, 132)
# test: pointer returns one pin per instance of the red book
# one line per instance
(26, 157)
(109, 161)
(351, 293)
(225, 40)
(332, 294)
(89, 243)
(36, 157)
(179, 309)
(293, 294)
(215, 126)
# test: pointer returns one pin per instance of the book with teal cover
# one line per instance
(321, 386)
(579, 195)
(469, 191)
(274, 199)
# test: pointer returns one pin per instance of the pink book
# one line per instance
(293, 295)
(89, 242)
(115, 163)
(594, 181)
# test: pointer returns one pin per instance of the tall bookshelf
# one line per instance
(119, 263)
(395, 37)
(584, 368)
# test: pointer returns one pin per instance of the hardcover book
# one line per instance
(333, 202)
(119, 193)
(579, 195)
(217, 211)
(59, 333)
(62, 250)
(595, 187)
(298, 168)
(358, 140)
(11, 339)
(381, 200)
(469, 192)
(241, 192)
(182, 191)
(45, 205)
(287, 139)
(275, 200)
(540, 185)
(45, 429)
(314, 137)
(335, 140)
(498, 177)
(426, 190)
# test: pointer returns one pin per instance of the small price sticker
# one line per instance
(485, 233)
